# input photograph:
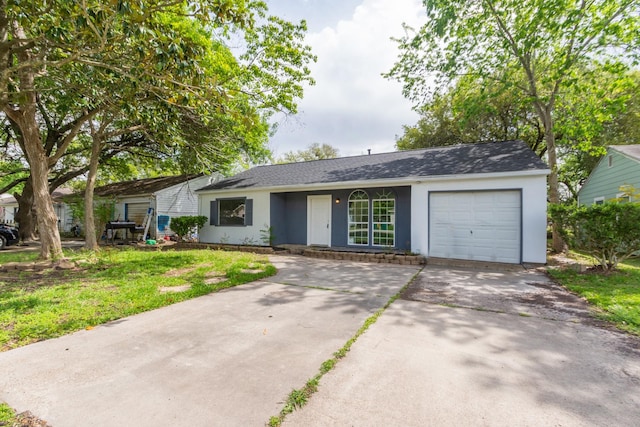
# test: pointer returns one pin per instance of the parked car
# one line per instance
(8, 235)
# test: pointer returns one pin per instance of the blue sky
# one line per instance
(351, 107)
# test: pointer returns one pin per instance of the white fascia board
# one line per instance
(380, 182)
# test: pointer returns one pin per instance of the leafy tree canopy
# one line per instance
(550, 43)
(314, 151)
(162, 63)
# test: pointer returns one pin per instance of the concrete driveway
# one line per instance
(482, 348)
(225, 359)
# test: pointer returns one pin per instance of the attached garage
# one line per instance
(476, 225)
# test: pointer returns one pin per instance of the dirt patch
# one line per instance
(29, 280)
(27, 419)
(179, 272)
(427, 291)
(174, 289)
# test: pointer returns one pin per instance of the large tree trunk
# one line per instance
(47, 218)
(91, 238)
(557, 244)
(25, 118)
(25, 217)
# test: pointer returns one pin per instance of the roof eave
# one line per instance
(379, 182)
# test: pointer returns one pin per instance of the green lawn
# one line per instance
(616, 294)
(109, 285)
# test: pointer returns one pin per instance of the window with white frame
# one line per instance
(598, 201)
(384, 219)
(358, 218)
(623, 197)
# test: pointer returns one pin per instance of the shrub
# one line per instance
(609, 232)
(184, 225)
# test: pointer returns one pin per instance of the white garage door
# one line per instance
(475, 225)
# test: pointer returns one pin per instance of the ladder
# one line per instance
(147, 222)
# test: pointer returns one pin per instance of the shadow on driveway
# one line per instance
(229, 358)
(474, 351)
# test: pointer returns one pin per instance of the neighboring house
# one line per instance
(483, 202)
(617, 170)
(9, 209)
(168, 197)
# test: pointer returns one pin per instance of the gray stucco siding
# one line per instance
(289, 216)
(605, 181)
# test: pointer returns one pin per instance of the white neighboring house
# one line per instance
(9, 209)
(167, 197)
(482, 202)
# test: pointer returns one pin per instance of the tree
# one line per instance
(608, 232)
(314, 151)
(547, 41)
(124, 42)
(475, 110)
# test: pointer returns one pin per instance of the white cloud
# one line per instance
(353, 107)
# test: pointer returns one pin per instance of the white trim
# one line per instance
(598, 199)
(623, 195)
(369, 183)
(367, 200)
(393, 222)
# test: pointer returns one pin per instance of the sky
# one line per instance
(351, 107)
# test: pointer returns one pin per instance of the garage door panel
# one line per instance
(482, 226)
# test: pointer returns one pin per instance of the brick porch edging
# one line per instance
(381, 258)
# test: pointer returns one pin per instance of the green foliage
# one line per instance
(113, 284)
(185, 225)
(547, 40)
(547, 45)
(146, 90)
(617, 294)
(266, 235)
(609, 232)
(103, 210)
(315, 151)
(7, 415)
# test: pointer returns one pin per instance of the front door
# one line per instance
(319, 220)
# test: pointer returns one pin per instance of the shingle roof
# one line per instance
(630, 150)
(508, 156)
(141, 186)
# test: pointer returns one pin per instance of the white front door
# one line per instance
(319, 220)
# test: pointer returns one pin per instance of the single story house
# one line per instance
(484, 202)
(162, 198)
(617, 171)
(9, 209)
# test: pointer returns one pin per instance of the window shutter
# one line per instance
(248, 212)
(213, 213)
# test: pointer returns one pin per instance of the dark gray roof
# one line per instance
(632, 151)
(508, 156)
(141, 186)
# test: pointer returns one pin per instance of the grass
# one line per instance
(616, 294)
(7, 415)
(109, 285)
